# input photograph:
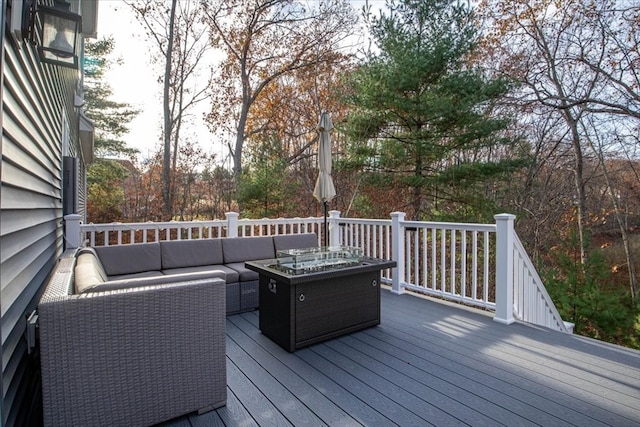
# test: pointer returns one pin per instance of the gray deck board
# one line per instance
(428, 363)
(511, 354)
(467, 371)
(253, 399)
(295, 384)
(403, 391)
(336, 396)
(467, 406)
(288, 403)
(446, 373)
(370, 392)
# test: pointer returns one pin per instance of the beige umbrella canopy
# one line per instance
(324, 190)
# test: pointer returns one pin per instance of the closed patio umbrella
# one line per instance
(324, 190)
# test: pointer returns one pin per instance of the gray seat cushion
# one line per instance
(207, 271)
(244, 273)
(191, 253)
(241, 249)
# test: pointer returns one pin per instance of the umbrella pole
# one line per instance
(326, 242)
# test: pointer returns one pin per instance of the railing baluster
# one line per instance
(485, 288)
(434, 265)
(425, 257)
(463, 264)
(443, 260)
(474, 266)
(454, 239)
(407, 259)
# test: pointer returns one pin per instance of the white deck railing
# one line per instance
(118, 233)
(532, 302)
(483, 265)
(450, 261)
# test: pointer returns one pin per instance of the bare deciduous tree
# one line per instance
(181, 39)
(263, 41)
(572, 59)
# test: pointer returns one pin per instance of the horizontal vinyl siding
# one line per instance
(31, 234)
(22, 263)
(28, 191)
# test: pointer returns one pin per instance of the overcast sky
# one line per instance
(133, 82)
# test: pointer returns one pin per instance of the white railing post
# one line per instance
(72, 235)
(334, 228)
(504, 268)
(232, 223)
(397, 252)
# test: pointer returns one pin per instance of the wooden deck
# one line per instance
(428, 363)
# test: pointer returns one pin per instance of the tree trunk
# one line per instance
(631, 268)
(167, 202)
(581, 202)
(237, 152)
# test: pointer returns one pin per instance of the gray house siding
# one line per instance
(37, 99)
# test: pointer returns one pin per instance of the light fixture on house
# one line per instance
(54, 30)
(57, 34)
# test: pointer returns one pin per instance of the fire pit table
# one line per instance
(311, 295)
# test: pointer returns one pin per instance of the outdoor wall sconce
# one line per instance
(58, 31)
(54, 30)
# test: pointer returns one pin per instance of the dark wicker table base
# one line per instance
(298, 313)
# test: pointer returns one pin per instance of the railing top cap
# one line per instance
(504, 216)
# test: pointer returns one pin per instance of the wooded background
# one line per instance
(443, 110)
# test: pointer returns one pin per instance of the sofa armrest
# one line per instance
(135, 356)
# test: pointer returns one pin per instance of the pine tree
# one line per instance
(586, 295)
(422, 111)
(106, 174)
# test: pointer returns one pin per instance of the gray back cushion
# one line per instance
(295, 241)
(240, 249)
(191, 253)
(128, 259)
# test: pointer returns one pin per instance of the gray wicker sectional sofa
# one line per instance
(125, 266)
(130, 356)
(135, 334)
